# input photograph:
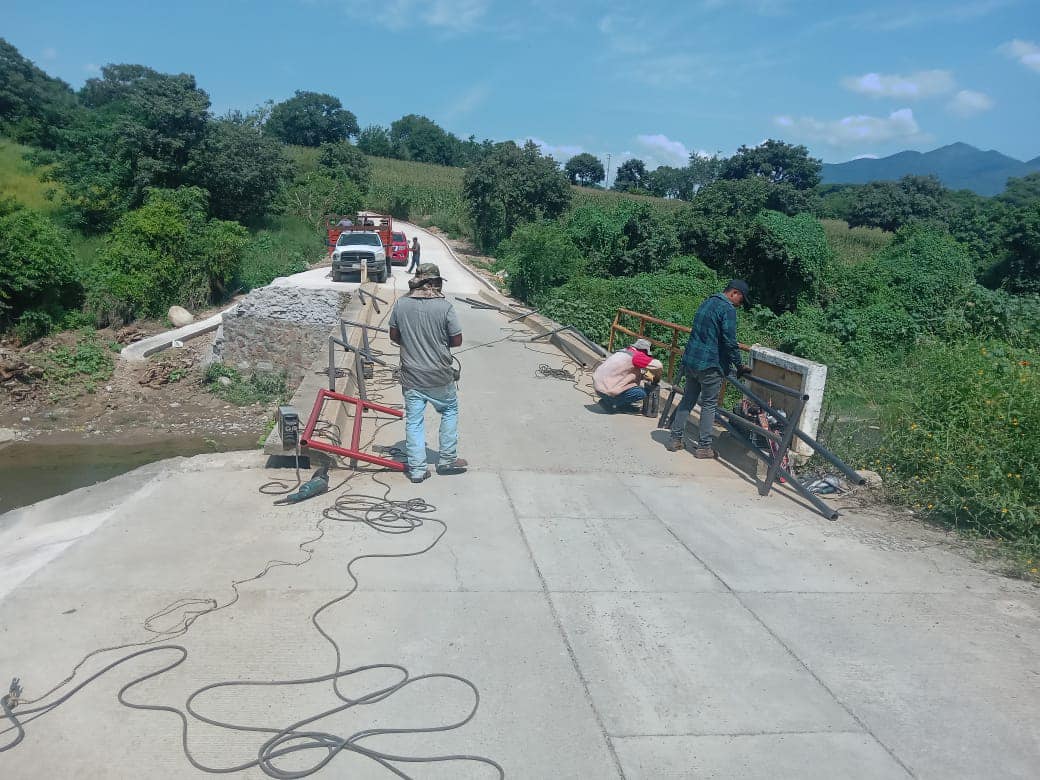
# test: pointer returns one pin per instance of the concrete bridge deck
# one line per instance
(624, 612)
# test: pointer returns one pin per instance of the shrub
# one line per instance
(538, 256)
(785, 259)
(166, 252)
(35, 272)
(259, 387)
(960, 443)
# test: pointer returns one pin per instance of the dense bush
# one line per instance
(344, 159)
(37, 279)
(784, 260)
(538, 256)
(960, 443)
(624, 239)
(166, 252)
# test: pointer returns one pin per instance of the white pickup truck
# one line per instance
(356, 247)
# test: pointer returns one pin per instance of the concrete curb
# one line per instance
(141, 350)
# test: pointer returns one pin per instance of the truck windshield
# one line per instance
(365, 239)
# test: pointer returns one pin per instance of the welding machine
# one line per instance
(288, 420)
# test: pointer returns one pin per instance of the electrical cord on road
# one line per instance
(379, 513)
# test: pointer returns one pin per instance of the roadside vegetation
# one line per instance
(923, 302)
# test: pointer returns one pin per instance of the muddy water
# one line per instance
(31, 471)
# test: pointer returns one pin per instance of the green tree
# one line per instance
(242, 169)
(537, 257)
(891, 205)
(632, 175)
(374, 141)
(1023, 246)
(166, 252)
(774, 161)
(702, 171)
(344, 159)
(33, 105)
(1022, 191)
(35, 275)
(311, 119)
(666, 181)
(139, 133)
(512, 185)
(584, 169)
(784, 260)
(718, 223)
(314, 196)
(418, 138)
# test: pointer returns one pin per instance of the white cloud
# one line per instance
(922, 84)
(625, 34)
(854, 130)
(560, 152)
(449, 15)
(1026, 52)
(664, 148)
(968, 102)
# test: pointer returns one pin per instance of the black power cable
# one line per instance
(382, 515)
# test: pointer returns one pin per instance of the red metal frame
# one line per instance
(355, 437)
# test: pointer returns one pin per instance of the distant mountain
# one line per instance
(959, 166)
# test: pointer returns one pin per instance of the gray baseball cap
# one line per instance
(642, 345)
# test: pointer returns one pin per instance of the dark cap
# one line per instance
(427, 271)
(741, 287)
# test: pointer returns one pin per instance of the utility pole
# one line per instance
(606, 181)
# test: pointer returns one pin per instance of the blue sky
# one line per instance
(651, 79)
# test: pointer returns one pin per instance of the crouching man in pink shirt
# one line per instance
(618, 379)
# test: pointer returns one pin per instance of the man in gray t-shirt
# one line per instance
(424, 324)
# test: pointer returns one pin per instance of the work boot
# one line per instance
(424, 476)
(705, 453)
(676, 445)
(457, 466)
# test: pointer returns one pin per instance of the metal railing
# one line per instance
(788, 423)
(675, 346)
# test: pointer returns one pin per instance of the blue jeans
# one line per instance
(701, 385)
(634, 395)
(446, 402)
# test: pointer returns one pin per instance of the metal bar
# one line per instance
(829, 456)
(526, 314)
(654, 320)
(548, 333)
(854, 476)
(829, 512)
(365, 325)
(359, 375)
(777, 386)
(736, 419)
(332, 363)
(785, 444)
(356, 456)
(355, 434)
(587, 341)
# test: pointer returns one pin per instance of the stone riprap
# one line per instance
(279, 328)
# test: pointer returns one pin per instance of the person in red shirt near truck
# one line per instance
(618, 379)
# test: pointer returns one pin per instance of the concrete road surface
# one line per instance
(623, 611)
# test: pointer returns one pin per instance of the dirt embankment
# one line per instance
(54, 388)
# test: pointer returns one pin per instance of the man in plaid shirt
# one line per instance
(710, 355)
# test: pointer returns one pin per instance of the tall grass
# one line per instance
(854, 245)
(21, 181)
